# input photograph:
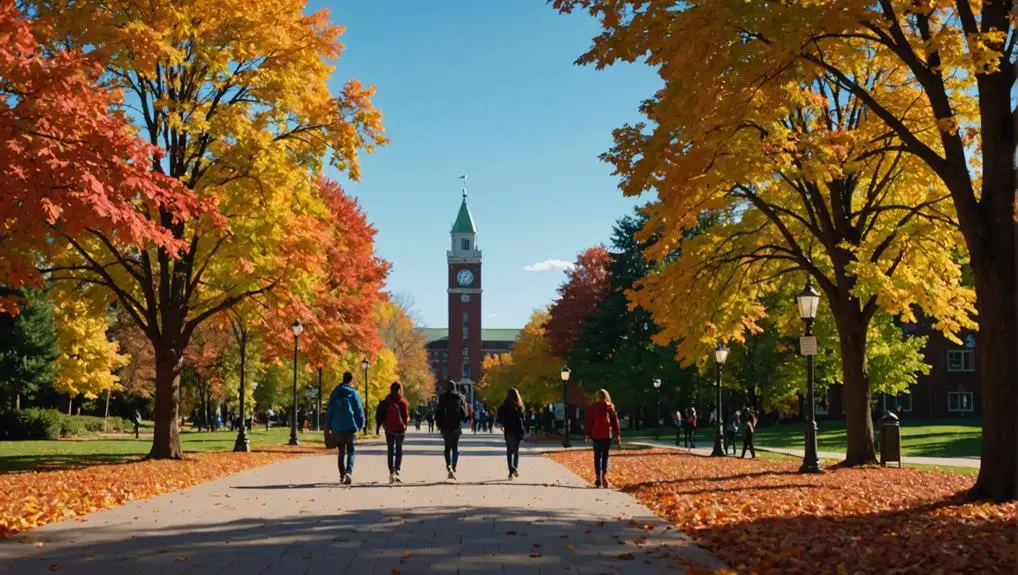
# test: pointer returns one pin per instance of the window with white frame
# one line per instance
(465, 244)
(960, 401)
(466, 333)
(902, 400)
(466, 370)
(960, 360)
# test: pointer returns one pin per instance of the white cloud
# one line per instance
(549, 266)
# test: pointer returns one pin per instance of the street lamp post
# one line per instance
(365, 364)
(808, 301)
(297, 329)
(657, 426)
(720, 355)
(565, 406)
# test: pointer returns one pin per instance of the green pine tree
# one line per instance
(28, 348)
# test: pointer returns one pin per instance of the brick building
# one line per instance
(949, 391)
(458, 352)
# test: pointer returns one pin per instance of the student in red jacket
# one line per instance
(601, 426)
(393, 413)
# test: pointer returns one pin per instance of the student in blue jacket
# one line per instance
(345, 415)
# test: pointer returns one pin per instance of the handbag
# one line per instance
(330, 443)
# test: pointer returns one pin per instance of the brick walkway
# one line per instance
(292, 517)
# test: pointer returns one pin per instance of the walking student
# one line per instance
(393, 413)
(690, 427)
(511, 415)
(677, 422)
(747, 433)
(345, 414)
(601, 426)
(731, 431)
(431, 420)
(452, 412)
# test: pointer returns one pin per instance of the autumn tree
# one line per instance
(950, 107)
(70, 167)
(614, 348)
(236, 96)
(400, 334)
(584, 289)
(88, 359)
(530, 366)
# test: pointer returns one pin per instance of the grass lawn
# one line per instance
(69, 453)
(946, 438)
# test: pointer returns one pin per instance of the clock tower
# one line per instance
(465, 352)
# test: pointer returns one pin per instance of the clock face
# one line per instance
(465, 277)
(465, 298)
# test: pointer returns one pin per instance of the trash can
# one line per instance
(890, 439)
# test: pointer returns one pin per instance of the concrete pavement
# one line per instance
(293, 517)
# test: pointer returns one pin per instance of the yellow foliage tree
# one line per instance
(400, 334)
(949, 105)
(236, 96)
(88, 360)
(530, 367)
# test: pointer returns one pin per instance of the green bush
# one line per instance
(37, 423)
(31, 423)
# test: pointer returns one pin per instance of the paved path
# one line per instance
(972, 462)
(292, 517)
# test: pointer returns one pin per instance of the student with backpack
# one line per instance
(601, 426)
(431, 420)
(731, 430)
(345, 414)
(512, 416)
(393, 413)
(452, 412)
(677, 422)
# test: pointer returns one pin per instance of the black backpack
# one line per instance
(451, 412)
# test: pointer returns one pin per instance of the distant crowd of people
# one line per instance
(742, 422)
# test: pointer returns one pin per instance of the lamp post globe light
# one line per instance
(720, 356)
(365, 364)
(565, 406)
(808, 300)
(297, 330)
(657, 388)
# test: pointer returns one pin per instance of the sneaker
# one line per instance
(510, 475)
(597, 482)
(605, 484)
(348, 480)
(392, 477)
(342, 478)
(452, 474)
(516, 474)
(398, 480)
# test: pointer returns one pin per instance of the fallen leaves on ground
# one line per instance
(763, 517)
(34, 498)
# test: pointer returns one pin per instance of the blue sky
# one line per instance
(487, 88)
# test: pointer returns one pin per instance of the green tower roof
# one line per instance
(464, 223)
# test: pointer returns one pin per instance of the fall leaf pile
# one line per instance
(34, 498)
(764, 517)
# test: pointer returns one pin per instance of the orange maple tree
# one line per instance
(70, 167)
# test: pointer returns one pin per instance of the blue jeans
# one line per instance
(451, 439)
(346, 451)
(601, 449)
(512, 451)
(394, 450)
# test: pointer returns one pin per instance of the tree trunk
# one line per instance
(106, 413)
(70, 403)
(997, 356)
(17, 401)
(166, 433)
(856, 387)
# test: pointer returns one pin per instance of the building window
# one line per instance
(466, 370)
(466, 353)
(902, 400)
(960, 360)
(959, 401)
(465, 333)
(466, 317)
(465, 244)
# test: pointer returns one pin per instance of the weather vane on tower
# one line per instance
(464, 178)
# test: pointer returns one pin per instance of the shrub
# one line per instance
(31, 423)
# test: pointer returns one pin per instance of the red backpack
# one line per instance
(393, 418)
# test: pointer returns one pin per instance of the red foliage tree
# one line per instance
(71, 168)
(585, 287)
